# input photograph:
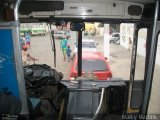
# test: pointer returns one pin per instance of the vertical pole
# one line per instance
(16, 10)
(106, 42)
(79, 53)
(151, 63)
(18, 61)
(133, 63)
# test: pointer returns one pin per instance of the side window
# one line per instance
(137, 94)
(116, 35)
(155, 96)
(141, 54)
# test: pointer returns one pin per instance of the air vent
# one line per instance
(135, 10)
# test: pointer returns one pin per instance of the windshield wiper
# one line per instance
(99, 70)
(53, 44)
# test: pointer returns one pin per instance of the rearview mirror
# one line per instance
(77, 26)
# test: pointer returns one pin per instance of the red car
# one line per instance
(92, 62)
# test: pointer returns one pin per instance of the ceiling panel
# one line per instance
(86, 9)
(99, 1)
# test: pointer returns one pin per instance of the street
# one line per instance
(41, 48)
(120, 58)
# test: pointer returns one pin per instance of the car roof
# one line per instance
(115, 33)
(92, 55)
(87, 40)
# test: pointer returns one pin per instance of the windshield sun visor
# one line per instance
(28, 7)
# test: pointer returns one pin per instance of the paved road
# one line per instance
(41, 48)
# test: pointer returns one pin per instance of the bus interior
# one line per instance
(41, 91)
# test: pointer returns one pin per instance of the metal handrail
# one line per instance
(100, 104)
(16, 10)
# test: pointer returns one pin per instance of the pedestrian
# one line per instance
(68, 51)
(27, 38)
(22, 41)
(129, 44)
(61, 40)
(64, 46)
(26, 56)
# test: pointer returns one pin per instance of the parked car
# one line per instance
(87, 45)
(67, 33)
(115, 38)
(38, 31)
(60, 34)
(93, 62)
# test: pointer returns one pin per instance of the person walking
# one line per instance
(68, 51)
(22, 41)
(64, 46)
(129, 44)
(28, 41)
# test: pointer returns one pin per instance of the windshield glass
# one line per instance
(91, 65)
(88, 45)
(116, 35)
(117, 53)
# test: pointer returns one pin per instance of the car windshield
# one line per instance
(88, 45)
(116, 35)
(90, 65)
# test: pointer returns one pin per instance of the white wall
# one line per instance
(141, 47)
(158, 51)
(126, 31)
(106, 42)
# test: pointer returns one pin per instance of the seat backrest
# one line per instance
(82, 104)
(10, 104)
